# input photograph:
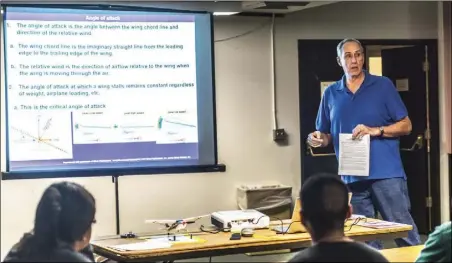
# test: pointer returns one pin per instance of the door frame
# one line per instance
(432, 45)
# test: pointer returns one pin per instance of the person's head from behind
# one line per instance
(350, 56)
(64, 215)
(324, 205)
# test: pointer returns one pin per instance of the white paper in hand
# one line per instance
(354, 155)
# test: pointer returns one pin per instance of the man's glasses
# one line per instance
(357, 55)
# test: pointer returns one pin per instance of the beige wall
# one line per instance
(445, 36)
(244, 116)
(445, 94)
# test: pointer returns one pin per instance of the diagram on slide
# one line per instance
(40, 136)
(177, 127)
(134, 126)
(108, 127)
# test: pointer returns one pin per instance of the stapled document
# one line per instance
(380, 224)
(146, 245)
(354, 155)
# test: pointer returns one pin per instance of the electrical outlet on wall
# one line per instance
(279, 135)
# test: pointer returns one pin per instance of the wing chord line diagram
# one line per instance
(40, 137)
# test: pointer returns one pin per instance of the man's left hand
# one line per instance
(360, 130)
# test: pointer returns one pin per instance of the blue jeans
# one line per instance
(390, 198)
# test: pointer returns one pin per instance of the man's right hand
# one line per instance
(317, 139)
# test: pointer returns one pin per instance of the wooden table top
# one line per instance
(220, 244)
(402, 254)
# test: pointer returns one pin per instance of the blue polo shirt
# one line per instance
(376, 103)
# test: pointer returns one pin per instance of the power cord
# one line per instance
(215, 230)
(257, 222)
(356, 222)
(280, 220)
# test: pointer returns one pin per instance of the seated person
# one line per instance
(62, 228)
(437, 248)
(324, 210)
(88, 252)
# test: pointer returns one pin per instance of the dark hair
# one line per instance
(340, 46)
(324, 202)
(64, 214)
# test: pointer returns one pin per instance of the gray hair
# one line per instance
(340, 46)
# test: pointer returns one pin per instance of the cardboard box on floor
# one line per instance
(274, 201)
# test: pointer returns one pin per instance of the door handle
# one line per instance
(309, 151)
(417, 145)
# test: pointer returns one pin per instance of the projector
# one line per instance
(250, 218)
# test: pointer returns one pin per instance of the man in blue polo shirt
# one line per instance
(361, 104)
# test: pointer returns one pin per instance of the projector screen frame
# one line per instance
(115, 172)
